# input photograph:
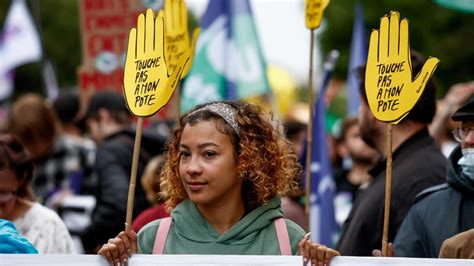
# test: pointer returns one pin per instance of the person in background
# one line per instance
(226, 168)
(71, 114)
(59, 165)
(151, 184)
(69, 110)
(76, 207)
(359, 158)
(442, 125)
(417, 163)
(442, 211)
(40, 225)
(295, 132)
(291, 205)
(109, 125)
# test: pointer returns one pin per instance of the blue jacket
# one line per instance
(11, 242)
(438, 213)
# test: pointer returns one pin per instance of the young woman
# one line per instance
(40, 225)
(227, 167)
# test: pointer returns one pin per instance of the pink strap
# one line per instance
(282, 235)
(165, 224)
(161, 235)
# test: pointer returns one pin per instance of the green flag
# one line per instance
(228, 62)
(460, 5)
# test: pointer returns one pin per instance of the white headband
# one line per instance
(224, 110)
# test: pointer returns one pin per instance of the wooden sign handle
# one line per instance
(309, 134)
(133, 175)
(388, 191)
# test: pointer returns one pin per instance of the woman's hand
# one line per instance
(318, 254)
(119, 249)
(390, 252)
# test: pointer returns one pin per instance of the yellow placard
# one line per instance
(391, 92)
(177, 36)
(314, 12)
(148, 82)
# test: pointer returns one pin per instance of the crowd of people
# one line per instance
(227, 180)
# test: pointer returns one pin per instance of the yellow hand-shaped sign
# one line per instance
(148, 83)
(391, 92)
(177, 36)
(314, 12)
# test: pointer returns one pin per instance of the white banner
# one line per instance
(211, 260)
(381, 261)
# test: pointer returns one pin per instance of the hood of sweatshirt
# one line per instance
(189, 223)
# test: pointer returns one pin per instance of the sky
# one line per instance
(283, 36)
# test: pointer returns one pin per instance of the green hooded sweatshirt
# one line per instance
(190, 233)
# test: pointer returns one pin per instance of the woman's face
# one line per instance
(208, 166)
(9, 185)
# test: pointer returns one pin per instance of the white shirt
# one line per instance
(45, 230)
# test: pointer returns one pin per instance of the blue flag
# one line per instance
(357, 58)
(323, 226)
(228, 62)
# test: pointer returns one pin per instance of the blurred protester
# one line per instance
(11, 242)
(442, 125)
(359, 158)
(291, 204)
(417, 164)
(460, 246)
(109, 124)
(295, 132)
(359, 155)
(40, 225)
(70, 113)
(71, 116)
(426, 225)
(59, 165)
(76, 209)
(340, 161)
(151, 184)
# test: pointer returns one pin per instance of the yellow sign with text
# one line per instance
(314, 12)
(391, 92)
(177, 37)
(148, 80)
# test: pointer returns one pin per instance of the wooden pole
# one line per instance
(133, 175)
(309, 134)
(388, 191)
(178, 97)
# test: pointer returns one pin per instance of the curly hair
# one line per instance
(266, 161)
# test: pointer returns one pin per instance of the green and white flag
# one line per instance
(228, 62)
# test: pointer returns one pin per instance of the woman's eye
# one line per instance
(209, 154)
(184, 154)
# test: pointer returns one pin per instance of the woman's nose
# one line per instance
(194, 166)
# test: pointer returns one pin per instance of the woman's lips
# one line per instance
(196, 186)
